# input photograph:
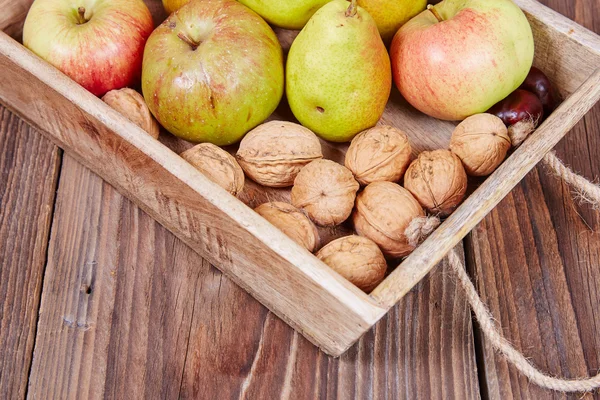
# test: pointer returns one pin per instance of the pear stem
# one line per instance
(435, 13)
(81, 16)
(352, 9)
(189, 41)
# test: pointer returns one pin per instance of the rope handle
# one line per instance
(586, 191)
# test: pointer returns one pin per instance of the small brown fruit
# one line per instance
(481, 142)
(383, 213)
(438, 181)
(357, 259)
(378, 154)
(218, 165)
(273, 153)
(292, 222)
(326, 191)
(132, 105)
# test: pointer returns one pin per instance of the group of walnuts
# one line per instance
(390, 219)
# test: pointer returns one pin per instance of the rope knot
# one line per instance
(419, 228)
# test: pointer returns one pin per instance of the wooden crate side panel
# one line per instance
(279, 273)
(567, 52)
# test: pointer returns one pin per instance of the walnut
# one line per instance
(383, 213)
(381, 153)
(132, 105)
(292, 222)
(357, 259)
(273, 153)
(481, 142)
(438, 181)
(218, 165)
(326, 191)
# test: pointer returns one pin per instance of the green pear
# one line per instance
(338, 72)
(288, 14)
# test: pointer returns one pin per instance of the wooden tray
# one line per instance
(290, 281)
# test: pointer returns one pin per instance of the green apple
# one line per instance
(212, 71)
(288, 14)
(97, 43)
(461, 57)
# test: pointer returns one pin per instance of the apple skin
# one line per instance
(231, 82)
(479, 54)
(102, 54)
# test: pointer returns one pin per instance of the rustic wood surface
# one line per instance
(29, 168)
(127, 307)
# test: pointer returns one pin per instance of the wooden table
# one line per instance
(97, 299)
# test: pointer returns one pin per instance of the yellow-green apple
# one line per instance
(98, 43)
(173, 5)
(212, 71)
(288, 14)
(460, 57)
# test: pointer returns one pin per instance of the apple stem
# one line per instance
(81, 15)
(435, 13)
(189, 41)
(352, 9)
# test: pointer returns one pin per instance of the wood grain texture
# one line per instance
(129, 308)
(12, 16)
(29, 166)
(535, 260)
(118, 299)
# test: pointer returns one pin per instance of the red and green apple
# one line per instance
(212, 71)
(460, 57)
(98, 43)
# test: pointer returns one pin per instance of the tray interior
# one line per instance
(565, 60)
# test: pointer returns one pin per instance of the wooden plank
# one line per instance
(277, 271)
(535, 259)
(29, 167)
(421, 349)
(128, 308)
(118, 299)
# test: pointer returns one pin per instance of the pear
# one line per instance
(288, 14)
(390, 15)
(338, 72)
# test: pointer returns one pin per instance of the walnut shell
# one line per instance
(326, 191)
(273, 153)
(357, 259)
(218, 165)
(481, 142)
(382, 213)
(292, 222)
(438, 181)
(133, 106)
(378, 154)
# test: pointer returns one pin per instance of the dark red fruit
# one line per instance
(519, 105)
(521, 112)
(538, 83)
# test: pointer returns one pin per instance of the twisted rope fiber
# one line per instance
(586, 191)
(493, 335)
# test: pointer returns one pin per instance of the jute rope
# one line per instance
(586, 191)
